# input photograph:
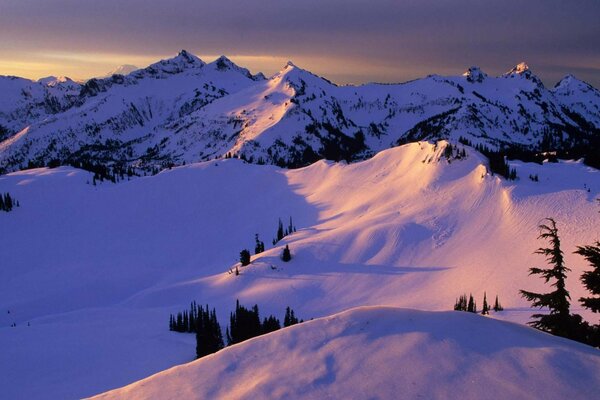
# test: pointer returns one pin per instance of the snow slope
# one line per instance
(386, 353)
(182, 110)
(96, 270)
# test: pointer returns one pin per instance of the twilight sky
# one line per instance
(347, 41)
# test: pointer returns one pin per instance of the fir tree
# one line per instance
(270, 324)
(243, 324)
(591, 279)
(286, 255)
(486, 309)
(461, 303)
(559, 321)
(244, 257)
(471, 307)
(280, 233)
(497, 305)
(289, 319)
(259, 246)
(209, 338)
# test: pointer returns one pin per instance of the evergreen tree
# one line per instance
(286, 255)
(209, 338)
(243, 324)
(559, 321)
(289, 319)
(244, 257)
(497, 305)
(486, 309)
(471, 307)
(270, 324)
(461, 303)
(591, 279)
(259, 246)
(280, 233)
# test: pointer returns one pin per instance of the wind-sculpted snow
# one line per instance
(183, 110)
(386, 353)
(90, 273)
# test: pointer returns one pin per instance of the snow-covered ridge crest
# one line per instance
(404, 353)
(185, 110)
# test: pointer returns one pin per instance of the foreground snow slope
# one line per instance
(96, 270)
(386, 353)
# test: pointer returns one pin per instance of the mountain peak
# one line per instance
(54, 80)
(475, 74)
(184, 60)
(124, 69)
(225, 64)
(520, 68)
(523, 70)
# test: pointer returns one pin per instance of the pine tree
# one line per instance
(209, 338)
(244, 257)
(280, 233)
(286, 255)
(259, 246)
(486, 309)
(497, 306)
(559, 321)
(289, 319)
(591, 279)
(461, 303)
(270, 324)
(471, 307)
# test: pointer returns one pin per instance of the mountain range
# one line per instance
(183, 110)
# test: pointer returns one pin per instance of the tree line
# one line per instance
(462, 304)
(244, 323)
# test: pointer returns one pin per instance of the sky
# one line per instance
(346, 41)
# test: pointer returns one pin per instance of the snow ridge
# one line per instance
(185, 110)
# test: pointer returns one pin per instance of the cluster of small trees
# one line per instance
(202, 322)
(259, 245)
(244, 323)
(281, 233)
(7, 202)
(462, 304)
(559, 321)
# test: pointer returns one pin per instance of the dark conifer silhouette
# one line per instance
(497, 305)
(471, 307)
(486, 309)
(286, 255)
(559, 321)
(461, 303)
(289, 319)
(244, 257)
(591, 279)
(259, 246)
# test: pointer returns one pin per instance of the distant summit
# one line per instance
(124, 69)
(182, 110)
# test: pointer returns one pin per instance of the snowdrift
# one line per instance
(386, 353)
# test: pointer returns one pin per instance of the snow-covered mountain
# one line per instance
(385, 353)
(90, 273)
(124, 69)
(182, 110)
